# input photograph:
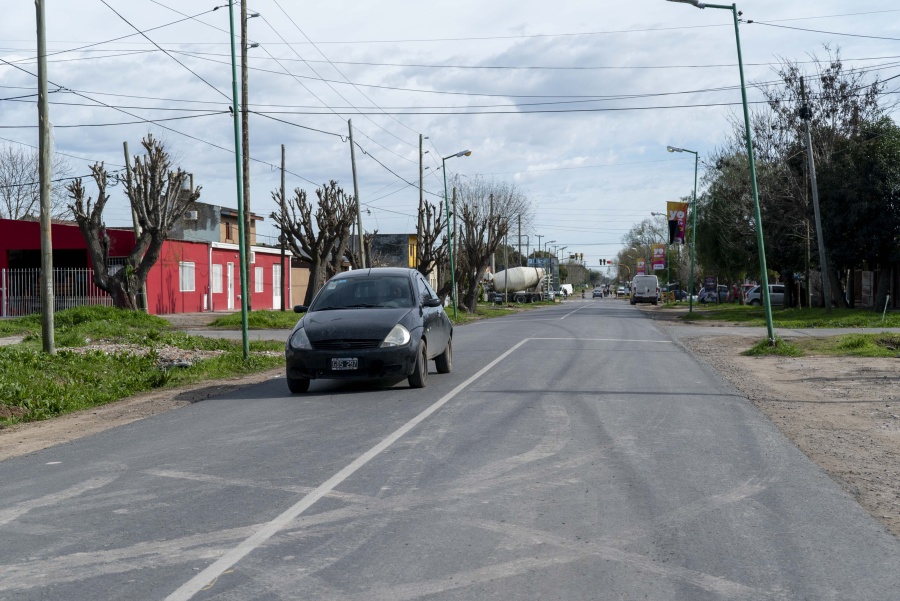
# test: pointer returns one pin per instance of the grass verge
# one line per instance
(259, 320)
(795, 318)
(106, 354)
(883, 344)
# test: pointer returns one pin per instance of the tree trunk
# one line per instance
(884, 285)
(316, 280)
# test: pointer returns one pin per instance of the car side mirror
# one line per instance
(300, 308)
(431, 302)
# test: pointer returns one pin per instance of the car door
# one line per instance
(777, 294)
(431, 318)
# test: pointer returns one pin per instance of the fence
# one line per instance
(20, 290)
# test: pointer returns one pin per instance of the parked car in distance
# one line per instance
(370, 323)
(707, 296)
(645, 289)
(776, 295)
(620, 291)
(597, 292)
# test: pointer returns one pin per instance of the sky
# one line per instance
(573, 102)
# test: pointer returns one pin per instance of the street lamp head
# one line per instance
(673, 149)
(691, 2)
(464, 153)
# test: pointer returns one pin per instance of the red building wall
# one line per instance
(26, 235)
(164, 292)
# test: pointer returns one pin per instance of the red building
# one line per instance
(190, 276)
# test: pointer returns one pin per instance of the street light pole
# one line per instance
(764, 276)
(242, 246)
(549, 264)
(693, 221)
(450, 241)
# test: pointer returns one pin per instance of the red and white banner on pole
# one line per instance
(641, 267)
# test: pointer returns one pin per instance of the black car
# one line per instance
(370, 323)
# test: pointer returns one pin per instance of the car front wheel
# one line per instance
(755, 303)
(419, 376)
(297, 385)
(444, 361)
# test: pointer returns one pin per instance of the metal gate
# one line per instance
(20, 290)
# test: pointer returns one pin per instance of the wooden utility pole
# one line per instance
(519, 262)
(359, 227)
(805, 114)
(419, 222)
(44, 168)
(245, 154)
(283, 241)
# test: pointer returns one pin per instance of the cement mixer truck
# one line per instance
(519, 284)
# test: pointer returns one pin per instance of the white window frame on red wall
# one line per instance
(186, 276)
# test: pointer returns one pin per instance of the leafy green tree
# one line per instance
(860, 195)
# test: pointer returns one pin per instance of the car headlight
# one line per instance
(399, 336)
(299, 340)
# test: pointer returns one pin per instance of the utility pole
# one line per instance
(245, 154)
(420, 223)
(455, 246)
(362, 243)
(520, 238)
(45, 167)
(283, 241)
(805, 114)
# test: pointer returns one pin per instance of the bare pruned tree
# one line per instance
(158, 197)
(486, 209)
(432, 248)
(318, 241)
(20, 194)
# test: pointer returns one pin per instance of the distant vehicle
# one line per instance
(745, 288)
(597, 292)
(645, 289)
(708, 296)
(620, 291)
(370, 323)
(519, 284)
(566, 289)
(776, 295)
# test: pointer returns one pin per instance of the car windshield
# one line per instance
(364, 293)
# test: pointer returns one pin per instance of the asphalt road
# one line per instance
(575, 452)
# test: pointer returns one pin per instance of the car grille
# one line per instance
(338, 345)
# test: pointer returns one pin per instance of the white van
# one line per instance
(566, 289)
(645, 289)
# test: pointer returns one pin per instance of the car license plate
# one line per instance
(344, 364)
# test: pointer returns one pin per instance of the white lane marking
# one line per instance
(605, 340)
(575, 311)
(12, 513)
(268, 530)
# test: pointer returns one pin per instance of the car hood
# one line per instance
(372, 323)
